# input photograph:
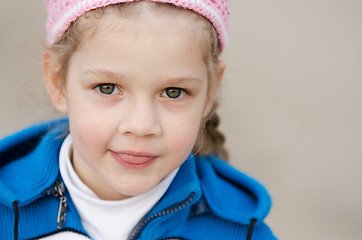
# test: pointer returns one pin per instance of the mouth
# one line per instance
(135, 160)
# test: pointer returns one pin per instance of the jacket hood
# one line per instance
(231, 194)
(24, 156)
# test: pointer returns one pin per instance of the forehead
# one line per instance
(143, 19)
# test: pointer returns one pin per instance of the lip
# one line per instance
(135, 160)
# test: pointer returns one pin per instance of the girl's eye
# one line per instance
(173, 92)
(107, 88)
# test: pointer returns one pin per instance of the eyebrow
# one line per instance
(103, 74)
(189, 81)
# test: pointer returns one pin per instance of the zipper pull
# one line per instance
(62, 212)
(63, 205)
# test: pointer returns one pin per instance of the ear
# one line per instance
(53, 82)
(214, 90)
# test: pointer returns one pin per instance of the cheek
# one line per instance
(88, 135)
(88, 126)
(184, 127)
(183, 134)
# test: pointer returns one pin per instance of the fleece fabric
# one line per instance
(208, 199)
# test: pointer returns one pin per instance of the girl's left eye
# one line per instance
(107, 88)
(173, 92)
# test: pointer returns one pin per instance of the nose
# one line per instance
(140, 118)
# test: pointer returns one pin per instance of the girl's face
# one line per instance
(135, 101)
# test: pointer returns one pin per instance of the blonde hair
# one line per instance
(210, 140)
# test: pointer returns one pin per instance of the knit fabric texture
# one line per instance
(61, 13)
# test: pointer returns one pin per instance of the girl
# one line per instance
(138, 155)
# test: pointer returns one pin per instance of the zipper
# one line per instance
(142, 225)
(16, 218)
(58, 191)
(251, 228)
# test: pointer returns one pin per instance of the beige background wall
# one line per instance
(292, 104)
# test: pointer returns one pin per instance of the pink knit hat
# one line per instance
(61, 13)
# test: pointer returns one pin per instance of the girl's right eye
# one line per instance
(107, 89)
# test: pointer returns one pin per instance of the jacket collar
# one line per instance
(185, 183)
(175, 205)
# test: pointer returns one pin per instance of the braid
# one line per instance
(210, 139)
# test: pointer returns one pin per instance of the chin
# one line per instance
(131, 191)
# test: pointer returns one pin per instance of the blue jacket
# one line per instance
(207, 199)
